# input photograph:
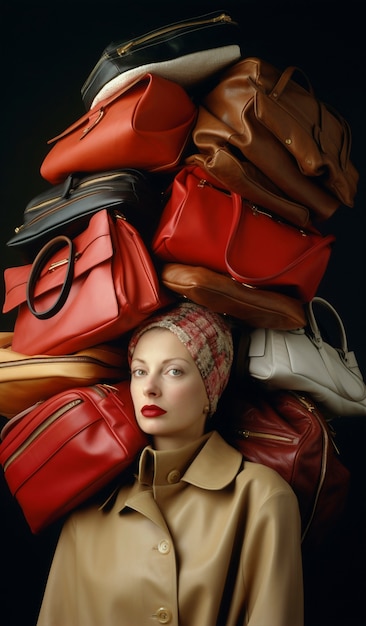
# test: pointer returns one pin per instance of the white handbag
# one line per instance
(301, 360)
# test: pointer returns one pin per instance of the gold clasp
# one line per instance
(58, 264)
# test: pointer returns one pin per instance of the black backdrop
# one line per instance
(47, 51)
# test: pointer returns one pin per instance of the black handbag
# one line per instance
(186, 52)
(67, 208)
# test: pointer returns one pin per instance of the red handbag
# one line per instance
(202, 224)
(145, 125)
(62, 451)
(110, 285)
(287, 432)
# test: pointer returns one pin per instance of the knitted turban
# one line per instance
(207, 338)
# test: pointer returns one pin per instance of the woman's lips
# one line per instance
(151, 410)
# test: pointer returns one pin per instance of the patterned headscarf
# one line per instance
(207, 338)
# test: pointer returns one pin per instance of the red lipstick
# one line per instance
(151, 410)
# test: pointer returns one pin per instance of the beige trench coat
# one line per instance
(208, 542)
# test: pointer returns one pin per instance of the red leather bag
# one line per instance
(202, 224)
(287, 432)
(62, 451)
(145, 125)
(85, 291)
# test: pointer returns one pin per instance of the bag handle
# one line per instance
(319, 132)
(317, 340)
(285, 77)
(38, 264)
(95, 114)
(317, 337)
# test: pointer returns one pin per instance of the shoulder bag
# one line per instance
(301, 360)
(62, 451)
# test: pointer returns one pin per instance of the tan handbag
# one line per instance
(25, 380)
(291, 140)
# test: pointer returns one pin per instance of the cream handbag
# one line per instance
(301, 360)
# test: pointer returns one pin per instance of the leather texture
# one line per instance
(187, 52)
(258, 114)
(222, 294)
(25, 380)
(302, 360)
(102, 290)
(67, 208)
(145, 125)
(64, 450)
(289, 433)
(204, 225)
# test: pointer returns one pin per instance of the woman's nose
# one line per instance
(151, 388)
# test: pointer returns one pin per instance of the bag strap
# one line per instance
(317, 337)
(320, 132)
(285, 77)
(317, 340)
(39, 263)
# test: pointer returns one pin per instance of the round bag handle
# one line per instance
(38, 264)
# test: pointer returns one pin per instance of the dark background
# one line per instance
(47, 51)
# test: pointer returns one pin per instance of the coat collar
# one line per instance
(215, 466)
(208, 463)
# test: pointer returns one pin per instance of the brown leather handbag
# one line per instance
(259, 308)
(259, 115)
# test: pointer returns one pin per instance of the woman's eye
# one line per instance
(174, 371)
(138, 372)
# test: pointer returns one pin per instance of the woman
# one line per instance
(200, 537)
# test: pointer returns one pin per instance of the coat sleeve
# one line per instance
(272, 564)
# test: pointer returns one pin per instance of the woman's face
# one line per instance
(167, 389)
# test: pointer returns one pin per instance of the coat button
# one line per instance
(163, 615)
(173, 477)
(164, 546)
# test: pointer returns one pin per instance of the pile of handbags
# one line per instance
(195, 173)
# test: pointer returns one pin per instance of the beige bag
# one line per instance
(25, 380)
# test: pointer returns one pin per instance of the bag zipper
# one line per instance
(248, 434)
(312, 409)
(256, 210)
(49, 359)
(123, 48)
(39, 430)
(224, 18)
(79, 187)
(102, 390)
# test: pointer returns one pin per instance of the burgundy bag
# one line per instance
(287, 432)
(62, 451)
